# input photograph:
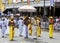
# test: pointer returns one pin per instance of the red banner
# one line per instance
(16, 1)
(28, 1)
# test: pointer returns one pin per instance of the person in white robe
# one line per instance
(0, 22)
(20, 26)
(25, 28)
(7, 30)
(3, 27)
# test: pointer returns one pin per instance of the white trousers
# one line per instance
(3, 31)
(7, 30)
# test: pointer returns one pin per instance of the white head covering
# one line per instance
(12, 14)
(3, 17)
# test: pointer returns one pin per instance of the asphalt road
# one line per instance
(43, 39)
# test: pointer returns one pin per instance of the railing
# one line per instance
(45, 25)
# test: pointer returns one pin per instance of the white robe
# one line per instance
(3, 25)
(25, 31)
(20, 25)
(7, 30)
(0, 22)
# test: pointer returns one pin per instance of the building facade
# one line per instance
(49, 5)
(57, 8)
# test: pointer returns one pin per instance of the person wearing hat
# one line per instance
(51, 26)
(11, 28)
(3, 26)
(38, 27)
(25, 28)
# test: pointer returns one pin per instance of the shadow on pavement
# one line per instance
(34, 40)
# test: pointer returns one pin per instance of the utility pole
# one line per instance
(54, 9)
(44, 14)
(50, 10)
(44, 8)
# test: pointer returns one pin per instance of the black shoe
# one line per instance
(51, 37)
(39, 36)
(11, 40)
(7, 34)
(20, 35)
(35, 38)
(30, 34)
(2, 36)
(26, 37)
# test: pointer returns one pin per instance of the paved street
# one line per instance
(43, 39)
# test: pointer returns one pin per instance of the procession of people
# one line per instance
(24, 25)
